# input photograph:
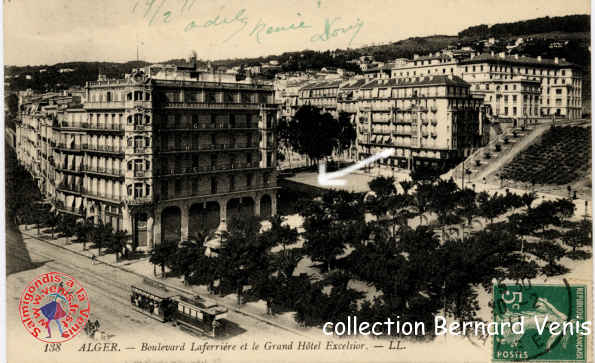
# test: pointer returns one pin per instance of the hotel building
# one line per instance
(165, 152)
(430, 121)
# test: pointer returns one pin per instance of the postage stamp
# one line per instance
(54, 307)
(550, 322)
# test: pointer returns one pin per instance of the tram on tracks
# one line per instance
(196, 314)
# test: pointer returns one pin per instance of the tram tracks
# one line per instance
(91, 278)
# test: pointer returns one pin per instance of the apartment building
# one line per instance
(430, 121)
(555, 85)
(164, 153)
(560, 84)
(322, 94)
(35, 138)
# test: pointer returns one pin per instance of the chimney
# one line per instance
(556, 60)
(472, 55)
(516, 56)
(492, 52)
(450, 76)
(502, 55)
(563, 59)
(539, 58)
(415, 56)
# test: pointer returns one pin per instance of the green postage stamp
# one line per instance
(548, 323)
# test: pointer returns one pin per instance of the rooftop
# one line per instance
(417, 81)
(514, 59)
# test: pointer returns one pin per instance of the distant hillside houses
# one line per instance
(515, 88)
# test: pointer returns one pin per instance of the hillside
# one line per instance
(568, 148)
(567, 24)
(572, 31)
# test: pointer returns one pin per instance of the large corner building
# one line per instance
(165, 153)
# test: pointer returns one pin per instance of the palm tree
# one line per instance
(528, 199)
(161, 254)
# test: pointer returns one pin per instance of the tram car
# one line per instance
(196, 314)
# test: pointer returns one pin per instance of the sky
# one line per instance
(51, 31)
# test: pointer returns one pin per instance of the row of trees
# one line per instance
(569, 23)
(426, 249)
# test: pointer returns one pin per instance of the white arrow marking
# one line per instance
(331, 178)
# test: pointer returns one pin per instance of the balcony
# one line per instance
(209, 147)
(70, 188)
(142, 173)
(214, 106)
(210, 127)
(70, 209)
(105, 127)
(202, 169)
(102, 196)
(234, 189)
(70, 170)
(108, 149)
(70, 147)
(140, 150)
(104, 105)
(104, 171)
(139, 200)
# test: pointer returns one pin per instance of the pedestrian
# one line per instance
(93, 259)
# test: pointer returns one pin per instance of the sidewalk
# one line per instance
(143, 268)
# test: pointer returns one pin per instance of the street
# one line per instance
(108, 288)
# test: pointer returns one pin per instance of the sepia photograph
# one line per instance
(297, 181)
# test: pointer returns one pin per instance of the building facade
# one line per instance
(430, 121)
(554, 85)
(560, 82)
(164, 154)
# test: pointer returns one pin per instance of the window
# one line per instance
(164, 189)
(213, 185)
(138, 190)
(249, 180)
(195, 186)
(232, 183)
(178, 187)
(514, 111)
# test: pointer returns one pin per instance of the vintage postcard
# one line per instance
(297, 181)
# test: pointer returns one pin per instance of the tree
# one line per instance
(528, 199)
(346, 133)
(83, 232)
(330, 224)
(312, 133)
(53, 219)
(580, 235)
(161, 254)
(242, 253)
(383, 187)
(118, 244)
